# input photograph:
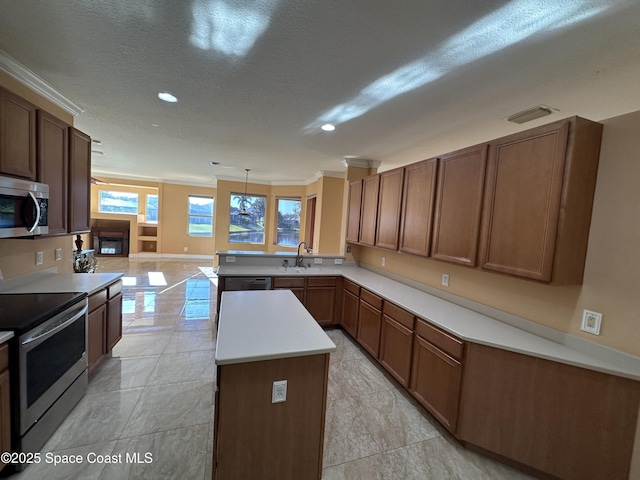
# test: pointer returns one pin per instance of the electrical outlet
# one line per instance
(445, 279)
(383, 261)
(591, 322)
(186, 249)
(279, 392)
(348, 248)
(39, 258)
(317, 261)
(58, 254)
(230, 259)
(337, 261)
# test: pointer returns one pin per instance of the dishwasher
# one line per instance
(247, 283)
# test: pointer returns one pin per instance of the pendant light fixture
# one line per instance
(244, 212)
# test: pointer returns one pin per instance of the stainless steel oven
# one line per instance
(23, 208)
(47, 362)
(51, 358)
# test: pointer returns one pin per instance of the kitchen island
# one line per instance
(265, 428)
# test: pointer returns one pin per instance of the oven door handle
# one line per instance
(37, 215)
(48, 332)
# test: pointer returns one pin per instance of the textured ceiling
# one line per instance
(257, 78)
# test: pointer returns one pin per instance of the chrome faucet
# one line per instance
(300, 258)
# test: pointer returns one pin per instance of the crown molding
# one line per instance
(360, 162)
(37, 84)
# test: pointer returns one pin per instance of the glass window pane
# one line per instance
(200, 216)
(118, 202)
(247, 228)
(152, 209)
(288, 231)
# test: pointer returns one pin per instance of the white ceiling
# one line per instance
(255, 79)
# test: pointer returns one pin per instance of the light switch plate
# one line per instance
(230, 259)
(39, 258)
(317, 261)
(337, 261)
(445, 279)
(591, 322)
(58, 254)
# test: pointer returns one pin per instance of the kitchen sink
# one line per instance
(300, 270)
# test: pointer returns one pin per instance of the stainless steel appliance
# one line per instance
(23, 208)
(47, 362)
(247, 283)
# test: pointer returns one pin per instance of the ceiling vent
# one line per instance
(530, 114)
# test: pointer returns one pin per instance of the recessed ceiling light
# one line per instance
(530, 114)
(327, 127)
(97, 152)
(167, 97)
(214, 163)
(95, 141)
(155, 125)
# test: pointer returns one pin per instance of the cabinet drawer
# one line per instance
(114, 289)
(321, 281)
(97, 299)
(349, 286)
(4, 356)
(288, 282)
(371, 299)
(398, 314)
(447, 343)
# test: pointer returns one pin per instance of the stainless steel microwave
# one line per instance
(23, 208)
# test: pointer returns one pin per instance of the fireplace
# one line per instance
(110, 237)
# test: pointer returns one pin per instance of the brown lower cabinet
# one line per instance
(350, 307)
(317, 294)
(566, 421)
(437, 372)
(547, 418)
(396, 344)
(104, 323)
(369, 322)
(5, 413)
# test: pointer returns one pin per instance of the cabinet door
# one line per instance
(353, 215)
(350, 304)
(369, 327)
(395, 349)
(17, 136)
(320, 302)
(369, 215)
(5, 402)
(79, 181)
(114, 321)
(522, 202)
(53, 168)
(435, 382)
(458, 206)
(97, 329)
(418, 196)
(390, 199)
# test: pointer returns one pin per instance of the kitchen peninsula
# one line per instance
(272, 369)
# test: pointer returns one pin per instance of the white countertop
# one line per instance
(64, 282)
(271, 271)
(4, 336)
(462, 322)
(266, 325)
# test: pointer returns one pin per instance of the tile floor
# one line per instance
(155, 396)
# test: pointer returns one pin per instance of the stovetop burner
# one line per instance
(20, 312)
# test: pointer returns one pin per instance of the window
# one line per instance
(118, 202)
(288, 229)
(200, 216)
(247, 228)
(152, 209)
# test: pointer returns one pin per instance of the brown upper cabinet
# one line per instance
(458, 205)
(417, 207)
(17, 136)
(388, 222)
(53, 167)
(538, 201)
(79, 181)
(353, 215)
(369, 210)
